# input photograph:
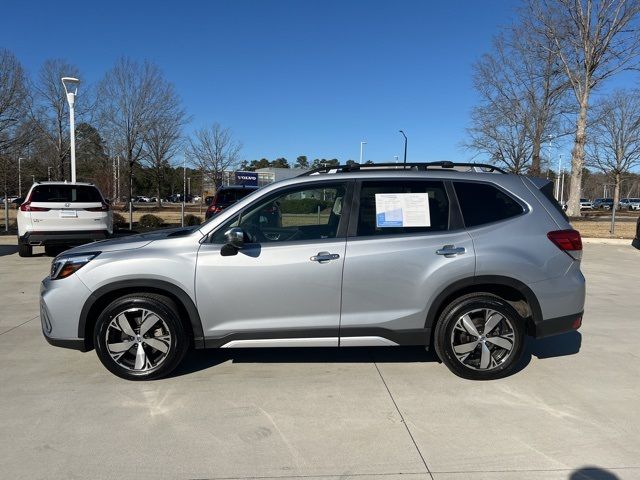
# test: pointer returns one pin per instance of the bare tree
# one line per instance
(163, 139)
(502, 134)
(614, 147)
(131, 97)
(215, 150)
(13, 100)
(594, 40)
(522, 90)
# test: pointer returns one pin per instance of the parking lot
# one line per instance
(571, 412)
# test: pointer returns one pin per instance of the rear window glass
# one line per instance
(482, 203)
(66, 193)
(369, 220)
(547, 191)
(232, 196)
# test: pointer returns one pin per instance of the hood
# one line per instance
(130, 242)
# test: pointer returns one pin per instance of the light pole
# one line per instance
(362, 144)
(70, 85)
(184, 188)
(561, 179)
(405, 145)
(19, 177)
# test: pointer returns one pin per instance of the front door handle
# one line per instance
(451, 251)
(324, 257)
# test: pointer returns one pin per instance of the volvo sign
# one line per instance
(247, 178)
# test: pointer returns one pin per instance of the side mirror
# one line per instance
(235, 241)
(235, 237)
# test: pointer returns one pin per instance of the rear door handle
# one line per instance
(324, 257)
(451, 251)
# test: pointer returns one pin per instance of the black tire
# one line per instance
(511, 328)
(25, 250)
(53, 250)
(165, 309)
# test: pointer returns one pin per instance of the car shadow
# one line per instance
(592, 473)
(556, 346)
(196, 360)
(8, 250)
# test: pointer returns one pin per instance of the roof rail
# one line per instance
(416, 166)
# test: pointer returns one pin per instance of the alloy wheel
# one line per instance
(482, 339)
(138, 339)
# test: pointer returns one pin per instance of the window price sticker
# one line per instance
(402, 210)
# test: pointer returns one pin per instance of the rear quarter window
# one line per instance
(483, 203)
(66, 193)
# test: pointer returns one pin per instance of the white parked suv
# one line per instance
(57, 214)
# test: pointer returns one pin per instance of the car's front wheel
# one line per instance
(140, 337)
(480, 336)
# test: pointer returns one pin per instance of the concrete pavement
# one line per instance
(570, 413)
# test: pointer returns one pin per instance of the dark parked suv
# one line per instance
(227, 196)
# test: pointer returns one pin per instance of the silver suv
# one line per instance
(461, 258)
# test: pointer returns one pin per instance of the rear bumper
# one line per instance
(63, 237)
(72, 343)
(558, 325)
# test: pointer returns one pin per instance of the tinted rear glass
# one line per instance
(483, 203)
(547, 191)
(66, 193)
(232, 195)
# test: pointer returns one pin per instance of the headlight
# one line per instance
(63, 266)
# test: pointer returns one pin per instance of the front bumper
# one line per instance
(77, 237)
(60, 304)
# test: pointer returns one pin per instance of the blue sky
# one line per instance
(288, 77)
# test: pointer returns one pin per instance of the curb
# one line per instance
(607, 241)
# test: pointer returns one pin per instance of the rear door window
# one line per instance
(66, 194)
(428, 211)
(483, 203)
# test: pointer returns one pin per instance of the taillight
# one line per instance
(102, 208)
(568, 241)
(213, 209)
(26, 207)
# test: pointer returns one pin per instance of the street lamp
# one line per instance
(405, 146)
(19, 177)
(362, 144)
(70, 85)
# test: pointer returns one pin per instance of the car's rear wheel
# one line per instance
(53, 250)
(25, 250)
(140, 337)
(480, 336)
